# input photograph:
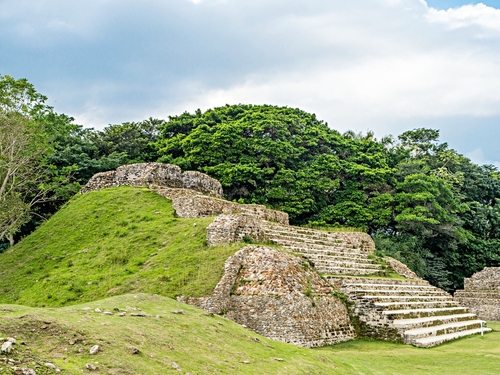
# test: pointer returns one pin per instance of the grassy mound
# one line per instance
(195, 342)
(111, 242)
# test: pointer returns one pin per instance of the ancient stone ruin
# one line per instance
(155, 174)
(296, 292)
(279, 296)
(481, 293)
(193, 194)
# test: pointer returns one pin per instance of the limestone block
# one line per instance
(233, 228)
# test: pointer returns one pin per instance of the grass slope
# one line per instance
(111, 242)
(203, 344)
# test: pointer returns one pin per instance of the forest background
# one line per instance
(423, 202)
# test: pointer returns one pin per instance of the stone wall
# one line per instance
(487, 279)
(279, 296)
(197, 205)
(193, 194)
(234, 228)
(481, 294)
(155, 174)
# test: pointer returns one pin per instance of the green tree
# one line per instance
(135, 139)
(260, 154)
(21, 151)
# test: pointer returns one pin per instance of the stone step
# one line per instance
(342, 263)
(396, 292)
(407, 298)
(324, 250)
(412, 335)
(291, 233)
(401, 290)
(432, 321)
(424, 312)
(393, 287)
(347, 271)
(343, 238)
(311, 246)
(317, 245)
(305, 232)
(332, 256)
(327, 254)
(428, 342)
(356, 282)
(415, 305)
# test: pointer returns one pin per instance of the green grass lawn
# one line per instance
(111, 242)
(471, 355)
(202, 344)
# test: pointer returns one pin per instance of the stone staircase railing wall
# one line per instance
(204, 206)
(481, 293)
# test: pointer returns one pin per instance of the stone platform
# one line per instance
(481, 293)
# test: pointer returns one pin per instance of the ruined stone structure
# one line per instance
(155, 174)
(279, 296)
(401, 268)
(293, 297)
(193, 194)
(481, 293)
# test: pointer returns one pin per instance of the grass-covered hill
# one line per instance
(111, 242)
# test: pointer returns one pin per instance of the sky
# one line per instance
(382, 65)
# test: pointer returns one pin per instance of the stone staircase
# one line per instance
(409, 311)
(330, 252)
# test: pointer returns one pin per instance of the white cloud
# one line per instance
(359, 64)
(468, 15)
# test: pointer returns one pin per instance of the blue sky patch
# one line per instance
(446, 4)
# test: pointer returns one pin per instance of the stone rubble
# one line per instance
(94, 350)
(91, 367)
(6, 347)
